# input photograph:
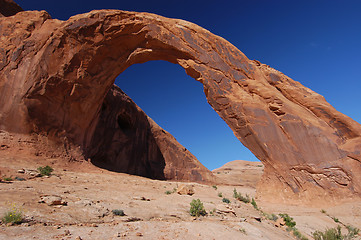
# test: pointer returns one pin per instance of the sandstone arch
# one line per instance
(55, 76)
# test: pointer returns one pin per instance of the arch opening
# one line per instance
(174, 101)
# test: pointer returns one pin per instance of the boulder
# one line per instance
(184, 189)
(52, 200)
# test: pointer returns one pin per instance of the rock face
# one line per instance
(56, 77)
(9, 8)
(127, 140)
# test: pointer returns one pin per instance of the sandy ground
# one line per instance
(91, 194)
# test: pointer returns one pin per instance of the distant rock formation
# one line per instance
(55, 78)
(240, 172)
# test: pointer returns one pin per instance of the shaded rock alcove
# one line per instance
(57, 76)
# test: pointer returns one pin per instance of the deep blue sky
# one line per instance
(317, 43)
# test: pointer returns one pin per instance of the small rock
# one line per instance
(221, 208)
(132, 219)
(52, 200)
(35, 174)
(141, 198)
(21, 171)
(67, 232)
(78, 238)
(185, 190)
(139, 234)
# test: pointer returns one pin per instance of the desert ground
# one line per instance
(77, 199)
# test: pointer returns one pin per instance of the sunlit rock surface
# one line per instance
(55, 78)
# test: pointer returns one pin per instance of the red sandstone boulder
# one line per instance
(56, 76)
(9, 8)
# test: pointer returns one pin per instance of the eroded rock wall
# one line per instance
(55, 76)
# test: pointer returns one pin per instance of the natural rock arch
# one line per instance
(55, 76)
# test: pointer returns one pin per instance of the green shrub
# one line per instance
(197, 208)
(323, 211)
(220, 194)
(170, 192)
(254, 204)
(335, 234)
(329, 234)
(288, 220)
(213, 211)
(273, 217)
(226, 200)
(15, 215)
(239, 196)
(8, 179)
(335, 219)
(242, 230)
(352, 231)
(298, 235)
(215, 187)
(118, 212)
(45, 171)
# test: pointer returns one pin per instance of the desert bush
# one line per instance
(220, 194)
(329, 234)
(272, 217)
(335, 234)
(45, 171)
(297, 233)
(118, 212)
(254, 204)
(215, 187)
(197, 208)
(239, 196)
(352, 231)
(288, 220)
(213, 211)
(335, 219)
(8, 179)
(226, 200)
(323, 211)
(14, 215)
(170, 192)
